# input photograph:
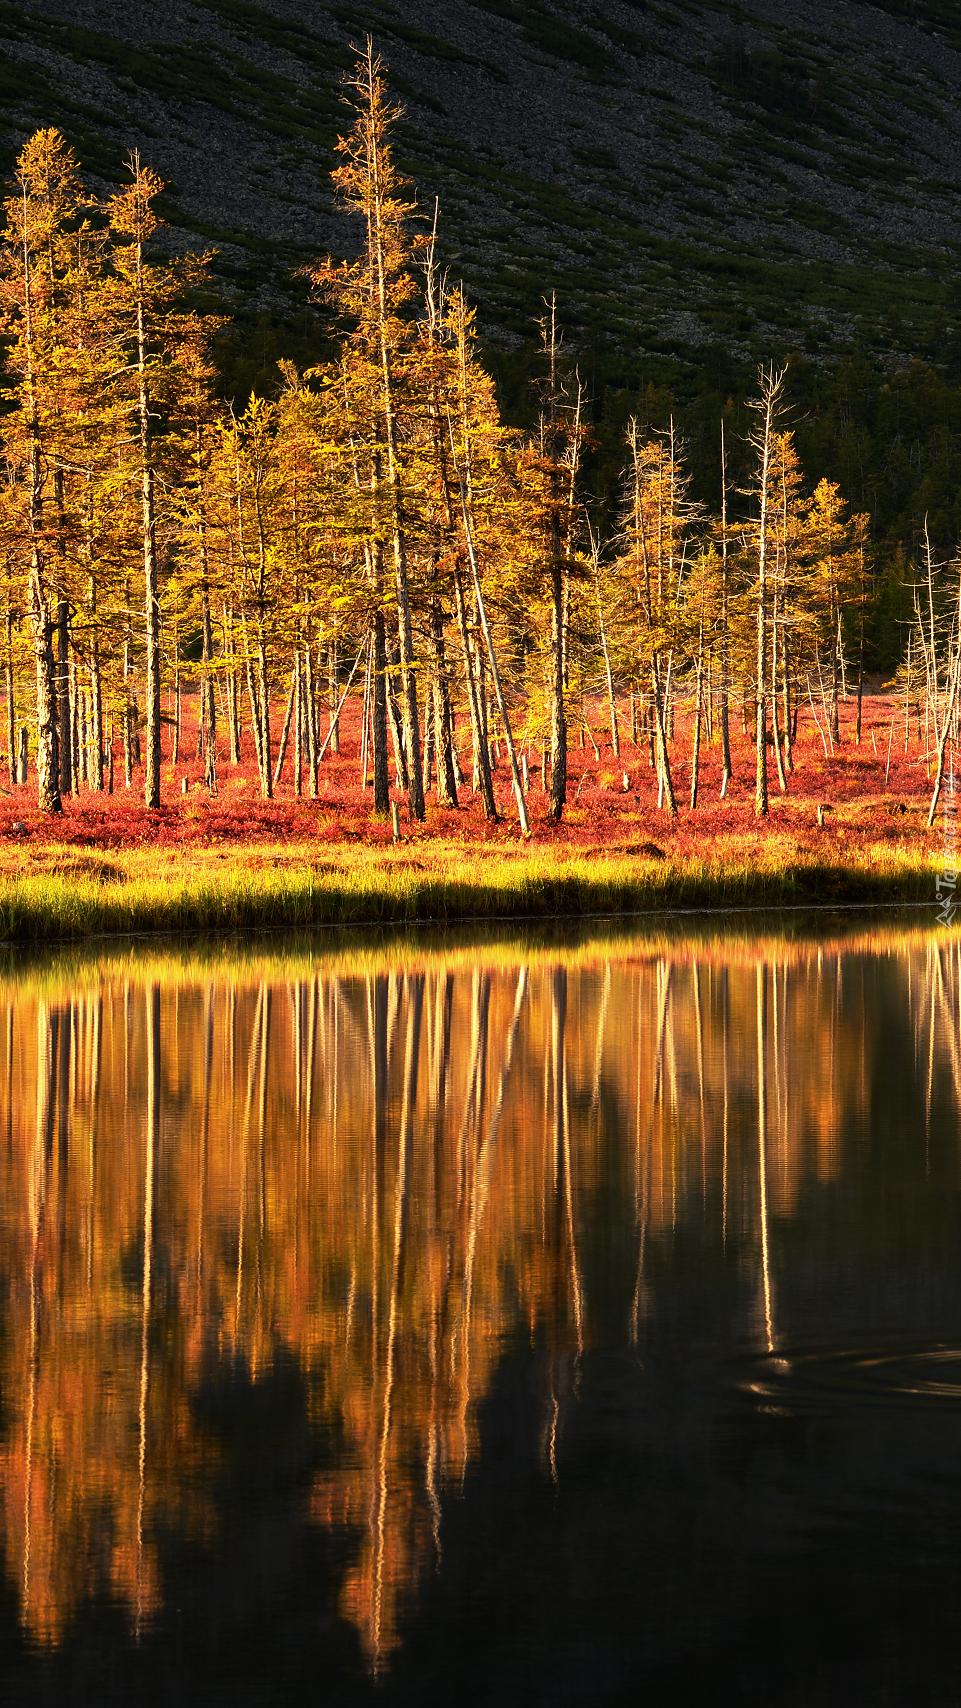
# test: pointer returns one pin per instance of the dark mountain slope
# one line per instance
(705, 183)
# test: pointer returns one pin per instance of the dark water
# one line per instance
(484, 1322)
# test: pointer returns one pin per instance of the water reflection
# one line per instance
(390, 1169)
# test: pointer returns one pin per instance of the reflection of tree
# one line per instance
(388, 1172)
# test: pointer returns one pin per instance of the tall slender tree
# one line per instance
(376, 292)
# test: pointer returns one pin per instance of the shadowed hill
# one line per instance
(705, 183)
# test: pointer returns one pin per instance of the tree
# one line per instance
(161, 344)
(767, 405)
(374, 292)
(48, 194)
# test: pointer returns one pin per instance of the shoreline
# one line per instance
(287, 889)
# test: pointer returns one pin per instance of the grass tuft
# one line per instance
(51, 906)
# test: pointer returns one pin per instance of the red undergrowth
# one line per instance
(601, 813)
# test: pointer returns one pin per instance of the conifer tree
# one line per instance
(767, 406)
(162, 343)
(47, 194)
(375, 292)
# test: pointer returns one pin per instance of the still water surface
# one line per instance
(484, 1321)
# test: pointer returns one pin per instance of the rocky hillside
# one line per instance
(703, 182)
(684, 173)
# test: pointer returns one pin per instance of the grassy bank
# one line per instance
(291, 890)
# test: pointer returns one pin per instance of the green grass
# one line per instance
(51, 907)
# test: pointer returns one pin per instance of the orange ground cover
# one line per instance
(600, 811)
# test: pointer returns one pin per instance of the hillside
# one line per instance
(704, 183)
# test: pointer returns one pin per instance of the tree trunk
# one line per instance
(770, 390)
(379, 716)
(397, 729)
(48, 757)
(127, 707)
(288, 715)
(482, 757)
(11, 707)
(558, 796)
(267, 774)
(333, 692)
(298, 727)
(495, 673)
(696, 743)
(443, 719)
(175, 744)
(660, 740)
(96, 694)
(727, 770)
(208, 704)
(429, 734)
(310, 725)
(63, 697)
(411, 719)
(255, 717)
(781, 778)
(608, 676)
(151, 580)
(860, 668)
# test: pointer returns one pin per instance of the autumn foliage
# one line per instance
(367, 590)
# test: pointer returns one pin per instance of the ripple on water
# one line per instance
(787, 1381)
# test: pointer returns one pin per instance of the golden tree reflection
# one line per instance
(386, 1169)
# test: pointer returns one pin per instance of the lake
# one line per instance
(543, 1317)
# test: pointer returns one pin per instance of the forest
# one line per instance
(375, 536)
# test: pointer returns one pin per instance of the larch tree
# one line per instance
(376, 292)
(653, 539)
(157, 344)
(767, 405)
(48, 192)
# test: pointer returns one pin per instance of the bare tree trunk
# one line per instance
(836, 648)
(443, 719)
(208, 704)
(495, 673)
(333, 691)
(379, 717)
(48, 757)
(396, 726)
(781, 778)
(127, 708)
(254, 709)
(558, 796)
(786, 692)
(151, 581)
(861, 651)
(175, 745)
(727, 771)
(311, 726)
(63, 697)
(11, 706)
(267, 774)
(429, 734)
(96, 694)
(943, 735)
(602, 627)
(378, 259)
(481, 753)
(233, 710)
(660, 740)
(298, 726)
(771, 384)
(696, 743)
(288, 715)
